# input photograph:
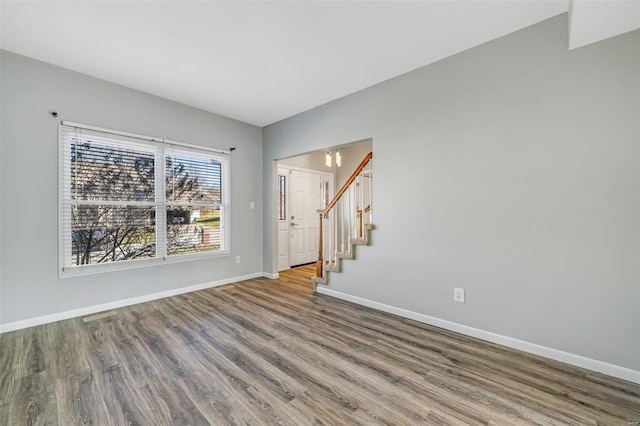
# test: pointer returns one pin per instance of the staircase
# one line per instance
(346, 222)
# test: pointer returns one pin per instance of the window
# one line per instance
(129, 201)
(193, 202)
(282, 195)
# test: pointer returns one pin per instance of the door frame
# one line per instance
(330, 176)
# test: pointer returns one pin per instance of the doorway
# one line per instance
(301, 192)
(306, 183)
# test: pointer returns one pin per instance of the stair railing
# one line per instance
(345, 217)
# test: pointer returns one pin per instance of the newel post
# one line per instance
(320, 260)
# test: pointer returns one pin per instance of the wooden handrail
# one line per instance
(346, 185)
(367, 210)
(322, 212)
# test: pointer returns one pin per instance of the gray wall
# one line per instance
(352, 155)
(512, 170)
(311, 161)
(29, 282)
(1, 166)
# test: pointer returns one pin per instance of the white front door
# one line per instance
(304, 191)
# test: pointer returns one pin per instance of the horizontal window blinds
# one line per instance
(193, 178)
(129, 198)
(197, 192)
(107, 169)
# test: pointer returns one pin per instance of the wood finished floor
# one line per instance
(270, 352)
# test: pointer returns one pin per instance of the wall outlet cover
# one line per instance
(458, 295)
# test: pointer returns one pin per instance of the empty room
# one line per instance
(320, 212)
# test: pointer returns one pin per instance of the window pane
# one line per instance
(102, 234)
(325, 197)
(193, 179)
(282, 182)
(325, 194)
(103, 172)
(193, 229)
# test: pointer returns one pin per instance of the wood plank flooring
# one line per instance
(267, 352)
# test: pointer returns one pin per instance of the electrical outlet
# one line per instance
(252, 205)
(237, 259)
(458, 295)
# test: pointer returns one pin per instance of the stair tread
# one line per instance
(336, 266)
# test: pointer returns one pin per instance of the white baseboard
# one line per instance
(566, 357)
(32, 322)
(272, 276)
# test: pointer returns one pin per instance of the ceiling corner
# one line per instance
(592, 21)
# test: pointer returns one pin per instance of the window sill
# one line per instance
(75, 271)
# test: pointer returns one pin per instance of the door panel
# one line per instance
(305, 202)
(282, 244)
(298, 247)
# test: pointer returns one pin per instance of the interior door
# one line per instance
(304, 194)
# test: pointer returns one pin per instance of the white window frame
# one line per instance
(160, 147)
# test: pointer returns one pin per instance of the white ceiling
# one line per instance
(592, 21)
(258, 62)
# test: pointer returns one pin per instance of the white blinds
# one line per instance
(101, 167)
(193, 178)
(196, 193)
(128, 198)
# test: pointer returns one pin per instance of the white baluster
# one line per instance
(349, 215)
(361, 198)
(324, 244)
(342, 219)
(332, 234)
(327, 250)
(354, 212)
(370, 192)
(329, 237)
(335, 230)
(362, 206)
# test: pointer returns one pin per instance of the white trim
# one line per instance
(533, 348)
(270, 275)
(160, 150)
(113, 132)
(330, 176)
(188, 204)
(302, 169)
(115, 203)
(45, 319)
(97, 268)
(198, 147)
(284, 223)
(144, 137)
(61, 178)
